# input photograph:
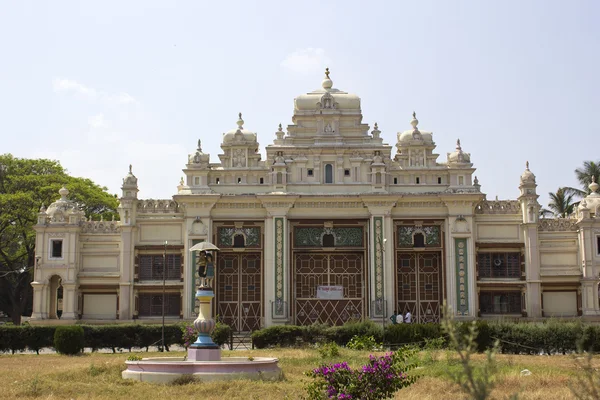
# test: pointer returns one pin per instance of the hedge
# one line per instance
(127, 336)
(549, 337)
(68, 339)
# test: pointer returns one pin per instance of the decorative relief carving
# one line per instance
(422, 204)
(56, 234)
(238, 205)
(279, 237)
(498, 207)
(100, 227)
(330, 204)
(462, 277)
(313, 237)
(277, 204)
(239, 158)
(251, 235)
(157, 206)
(378, 243)
(406, 233)
(558, 224)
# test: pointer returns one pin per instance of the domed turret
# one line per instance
(459, 156)
(130, 185)
(63, 210)
(414, 136)
(527, 177)
(239, 134)
(327, 98)
(592, 200)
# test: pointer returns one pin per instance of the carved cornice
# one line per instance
(498, 207)
(558, 224)
(157, 206)
(330, 204)
(238, 205)
(100, 227)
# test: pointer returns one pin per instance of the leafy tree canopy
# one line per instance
(26, 184)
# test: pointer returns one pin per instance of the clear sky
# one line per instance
(98, 85)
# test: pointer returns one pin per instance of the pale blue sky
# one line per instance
(99, 85)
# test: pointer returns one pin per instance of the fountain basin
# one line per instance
(167, 369)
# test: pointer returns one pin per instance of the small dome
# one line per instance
(130, 179)
(527, 176)
(458, 156)
(415, 136)
(327, 98)
(60, 210)
(593, 199)
(239, 134)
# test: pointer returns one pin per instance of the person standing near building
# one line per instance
(408, 318)
(399, 318)
(393, 318)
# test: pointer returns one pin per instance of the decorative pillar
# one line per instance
(204, 349)
(276, 254)
(69, 301)
(462, 276)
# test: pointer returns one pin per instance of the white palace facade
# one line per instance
(334, 225)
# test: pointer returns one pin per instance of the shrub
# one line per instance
(328, 350)
(314, 333)
(38, 337)
(379, 379)
(13, 339)
(221, 334)
(363, 343)
(134, 357)
(68, 339)
(343, 334)
(284, 335)
(416, 334)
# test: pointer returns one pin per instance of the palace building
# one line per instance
(334, 225)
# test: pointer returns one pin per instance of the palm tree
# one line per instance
(561, 203)
(584, 176)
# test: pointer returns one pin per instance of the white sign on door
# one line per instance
(330, 292)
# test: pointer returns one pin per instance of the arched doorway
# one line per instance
(55, 302)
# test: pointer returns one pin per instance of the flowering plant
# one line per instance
(189, 334)
(379, 379)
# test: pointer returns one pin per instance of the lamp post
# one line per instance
(163, 296)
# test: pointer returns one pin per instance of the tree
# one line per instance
(561, 203)
(584, 176)
(26, 184)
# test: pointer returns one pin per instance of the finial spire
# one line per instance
(458, 144)
(130, 169)
(280, 128)
(414, 122)
(593, 186)
(376, 127)
(327, 73)
(527, 165)
(240, 121)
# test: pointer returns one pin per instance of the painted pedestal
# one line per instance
(204, 349)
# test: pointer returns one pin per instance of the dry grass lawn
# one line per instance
(98, 376)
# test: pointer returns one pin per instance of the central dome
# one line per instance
(327, 98)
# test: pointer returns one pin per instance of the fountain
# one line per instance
(204, 360)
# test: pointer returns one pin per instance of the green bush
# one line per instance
(314, 333)
(221, 334)
(12, 339)
(283, 335)
(363, 343)
(398, 335)
(343, 334)
(328, 350)
(68, 339)
(38, 337)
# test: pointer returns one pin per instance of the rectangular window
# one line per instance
(395, 181)
(346, 172)
(217, 181)
(496, 302)
(151, 267)
(262, 180)
(439, 180)
(151, 304)
(499, 265)
(309, 172)
(417, 180)
(598, 244)
(56, 248)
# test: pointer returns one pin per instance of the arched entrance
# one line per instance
(55, 301)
